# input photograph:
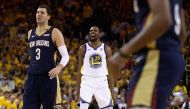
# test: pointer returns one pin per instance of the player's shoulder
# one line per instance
(107, 46)
(55, 30)
(56, 33)
(107, 49)
(82, 50)
(82, 47)
(29, 33)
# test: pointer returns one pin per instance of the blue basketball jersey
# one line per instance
(170, 40)
(41, 52)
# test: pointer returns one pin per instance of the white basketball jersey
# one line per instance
(94, 63)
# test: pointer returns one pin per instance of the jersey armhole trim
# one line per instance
(84, 50)
(105, 51)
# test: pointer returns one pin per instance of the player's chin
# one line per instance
(38, 21)
(92, 40)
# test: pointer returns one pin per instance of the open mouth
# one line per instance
(38, 18)
(92, 35)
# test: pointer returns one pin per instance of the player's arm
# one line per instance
(110, 75)
(160, 22)
(81, 52)
(60, 43)
(183, 33)
(58, 39)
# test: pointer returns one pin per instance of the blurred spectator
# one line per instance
(186, 104)
(122, 104)
(180, 90)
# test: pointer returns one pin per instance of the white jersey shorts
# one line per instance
(97, 86)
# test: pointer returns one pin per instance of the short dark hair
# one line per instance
(96, 27)
(49, 12)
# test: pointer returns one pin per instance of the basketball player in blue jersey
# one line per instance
(161, 31)
(93, 71)
(42, 84)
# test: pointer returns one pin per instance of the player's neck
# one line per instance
(95, 43)
(43, 27)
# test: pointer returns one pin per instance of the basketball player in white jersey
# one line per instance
(93, 72)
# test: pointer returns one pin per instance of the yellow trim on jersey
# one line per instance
(145, 86)
(58, 95)
(152, 44)
(149, 19)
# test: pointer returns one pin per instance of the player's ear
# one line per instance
(49, 17)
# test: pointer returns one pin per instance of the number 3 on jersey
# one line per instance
(38, 53)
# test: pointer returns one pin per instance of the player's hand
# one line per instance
(55, 72)
(115, 64)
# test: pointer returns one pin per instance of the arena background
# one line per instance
(73, 18)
